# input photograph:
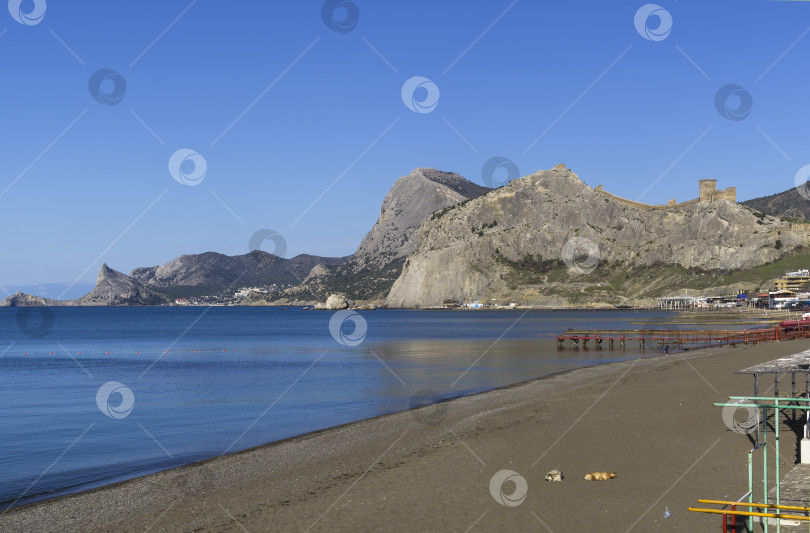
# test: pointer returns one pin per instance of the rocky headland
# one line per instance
(547, 240)
(112, 288)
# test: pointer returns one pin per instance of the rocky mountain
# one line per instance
(189, 275)
(21, 299)
(550, 239)
(366, 275)
(369, 273)
(68, 290)
(546, 239)
(787, 204)
(409, 202)
(112, 288)
(212, 273)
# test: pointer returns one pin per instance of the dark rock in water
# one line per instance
(20, 299)
(334, 302)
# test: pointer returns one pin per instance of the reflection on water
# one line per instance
(239, 377)
(460, 367)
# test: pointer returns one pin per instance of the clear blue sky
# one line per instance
(630, 113)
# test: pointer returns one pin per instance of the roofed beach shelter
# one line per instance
(678, 302)
(785, 505)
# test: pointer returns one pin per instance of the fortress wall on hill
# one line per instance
(708, 193)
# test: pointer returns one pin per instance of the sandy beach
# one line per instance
(651, 421)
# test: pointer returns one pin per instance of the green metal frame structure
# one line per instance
(764, 403)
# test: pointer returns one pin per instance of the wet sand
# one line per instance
(651, 420)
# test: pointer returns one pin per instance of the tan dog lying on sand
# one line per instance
(600, 476)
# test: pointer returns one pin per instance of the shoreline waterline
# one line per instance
(208, 392)
(329, 458)
(434, 398)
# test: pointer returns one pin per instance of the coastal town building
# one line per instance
(793, 281)
(701, 302)
(791, 289)
(779, 299)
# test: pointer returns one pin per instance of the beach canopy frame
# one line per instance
(798, 363)
(760, 432)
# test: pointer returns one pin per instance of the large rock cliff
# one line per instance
(544, 239)
(369, 273)
(410, 201)
(112, 288)
(509, 244)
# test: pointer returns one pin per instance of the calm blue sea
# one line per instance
(89, 396)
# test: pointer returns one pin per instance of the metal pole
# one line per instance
(776, 436)
(758, 505)
(748, 513)
(734, 519)
(765, 460)
(750, 487)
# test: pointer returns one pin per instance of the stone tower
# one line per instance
(707, 189)
(709, 192)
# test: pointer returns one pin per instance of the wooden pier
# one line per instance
(676, 339)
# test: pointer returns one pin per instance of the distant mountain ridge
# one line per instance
(441, 237)
(211, 272)
(367, 274)
(204, 274)
(786, 204)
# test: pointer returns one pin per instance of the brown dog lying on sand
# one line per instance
(600, 476)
